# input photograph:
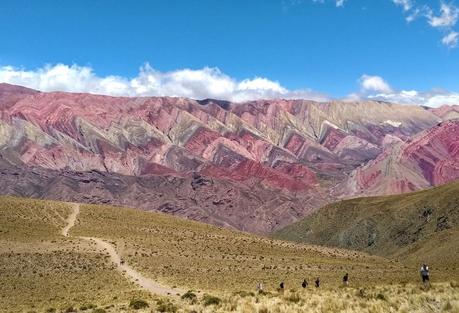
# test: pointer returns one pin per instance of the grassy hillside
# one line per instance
(204, 257)
(417, 227)
(42, 270)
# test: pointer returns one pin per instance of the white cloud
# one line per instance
(340, 3)
(374, 83)
(405, 4)
(376, 88)
(447, 18)
(197, 84)
(451, 39)
(433, 99)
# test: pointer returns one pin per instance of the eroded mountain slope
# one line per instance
(282, 158)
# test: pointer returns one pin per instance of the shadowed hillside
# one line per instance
(416, 227)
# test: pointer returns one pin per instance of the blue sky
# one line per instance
(316, 46)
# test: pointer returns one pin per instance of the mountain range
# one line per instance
(255, 166)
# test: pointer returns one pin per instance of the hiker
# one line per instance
(346, 280)
(425, 275)
(317, 282)
(281, 287)
(304, 284)
(259, 287)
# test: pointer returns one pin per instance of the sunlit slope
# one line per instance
(415, 227)
(41, 269)
(179, 252)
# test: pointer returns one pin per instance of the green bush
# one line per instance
(190, 296)
(51, 310)
(211, 300)
(165, 306)
(381, 296)
(138, 304)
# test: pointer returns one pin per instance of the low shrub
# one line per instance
(381, 296)
(166, 306)
(190, 296)
(210, 300)
(138, 304)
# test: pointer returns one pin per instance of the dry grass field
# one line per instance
(43, 271)
(389, 298)
(198, 256)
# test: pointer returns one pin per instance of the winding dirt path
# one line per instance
(71, 220)
(127, 271)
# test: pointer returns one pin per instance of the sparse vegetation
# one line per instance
(138, 304)
(42, 271)
(191, 255)
(210, 300)
(189, 296)
(166, 306)
(187, 254)
(388, 298)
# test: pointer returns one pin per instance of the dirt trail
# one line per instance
(135, 276)
(71, 219)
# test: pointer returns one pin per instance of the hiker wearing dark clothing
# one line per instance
(304, 284)
(281, 286)
(317, 282)
(346, 280)
(425, 274)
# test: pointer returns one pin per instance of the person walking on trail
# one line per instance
(425, 275)
(317, 282)
(346, 280)
(304, 284)
(259, 287)
(281, 287)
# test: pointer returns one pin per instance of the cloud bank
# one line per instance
(204, 83)
(196, 84)
(376, 88)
